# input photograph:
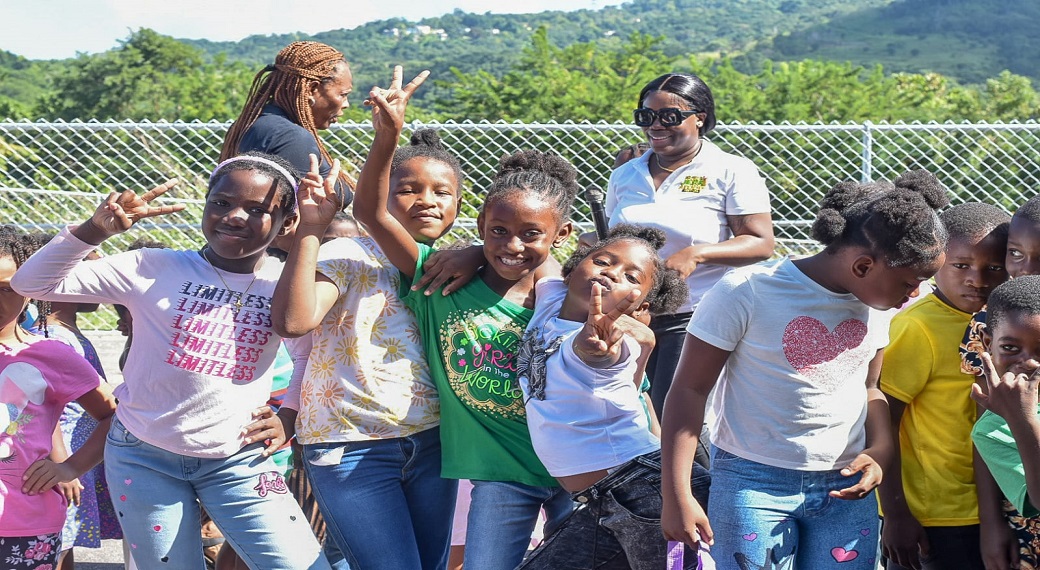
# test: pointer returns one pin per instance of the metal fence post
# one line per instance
(867, 172)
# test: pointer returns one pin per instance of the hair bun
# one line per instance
(653, 236)
(829, 226)
(427, 137)
(926, 185)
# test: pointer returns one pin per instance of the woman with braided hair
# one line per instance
(304, 91)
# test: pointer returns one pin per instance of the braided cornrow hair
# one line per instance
(546, 174)
(19, 246)
(286, 83)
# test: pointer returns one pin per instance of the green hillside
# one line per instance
(968, 40)
(493, 42)
(965, 41)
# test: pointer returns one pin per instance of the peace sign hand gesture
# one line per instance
(316, 198)
(121, 210)
(598, 343)
(389, 105)
(1009, 396)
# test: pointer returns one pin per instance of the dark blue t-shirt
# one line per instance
(275, 133)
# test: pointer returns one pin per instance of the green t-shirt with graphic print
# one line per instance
(471, 338)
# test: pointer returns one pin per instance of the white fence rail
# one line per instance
(52, 173)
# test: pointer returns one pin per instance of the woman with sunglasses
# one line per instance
(713, 206)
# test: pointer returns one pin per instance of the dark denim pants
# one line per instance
(617, 523)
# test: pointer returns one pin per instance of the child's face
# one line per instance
(1023, 248)
(340, 229)
(519, 229)
(620, 268)
(881, 286)
(1014, 343)
(11, 304)
(424, 197)
(242, 216)
(972, 270)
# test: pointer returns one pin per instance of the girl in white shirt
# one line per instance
(580, 367)
(192, 419)
(801, 428)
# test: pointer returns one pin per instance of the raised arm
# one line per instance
(303, 296)
(52, 275)
(373, 187)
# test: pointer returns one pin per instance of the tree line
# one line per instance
(154, 77)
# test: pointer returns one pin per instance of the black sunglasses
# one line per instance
(669, 116)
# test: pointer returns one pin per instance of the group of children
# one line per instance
(527, 380)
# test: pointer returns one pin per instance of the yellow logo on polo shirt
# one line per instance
(693, 184)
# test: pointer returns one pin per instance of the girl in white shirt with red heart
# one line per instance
(793, 352)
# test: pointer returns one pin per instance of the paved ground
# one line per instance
(110, 556)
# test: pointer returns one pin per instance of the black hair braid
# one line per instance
(426, 143)
(896, 221)
(20, 246)
(668, 290)
(546, 174)
(1019, 295)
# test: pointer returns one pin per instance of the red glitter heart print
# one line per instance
(809, 343)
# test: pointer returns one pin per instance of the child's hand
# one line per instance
(904, 541)
(865, 464)
(123, 209)
(1011, 396)
(44, 474)
(268, 428)
(317, 199)
(638, 329)
(686, 522)
(388, 105)
(450, 268)
(598, 343)
(999, 546)
(72, 490)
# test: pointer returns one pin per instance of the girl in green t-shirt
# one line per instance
(471, 337)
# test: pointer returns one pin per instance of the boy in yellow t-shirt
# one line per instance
(929, 503)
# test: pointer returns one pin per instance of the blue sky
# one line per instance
(49, 29)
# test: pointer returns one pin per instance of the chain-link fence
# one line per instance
(54, 173)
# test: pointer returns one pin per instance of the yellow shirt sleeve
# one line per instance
(909, 360)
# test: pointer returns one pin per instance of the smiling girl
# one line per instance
(192, 417)
(471, 336)
(368, 410)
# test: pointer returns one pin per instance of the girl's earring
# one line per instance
(311, 101)
(700, 123)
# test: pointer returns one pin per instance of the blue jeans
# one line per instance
(618, 523)
(384, 501)
(502, 516)
(768, 517)
(157, 494)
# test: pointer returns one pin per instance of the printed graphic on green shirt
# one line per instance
(481, 363)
